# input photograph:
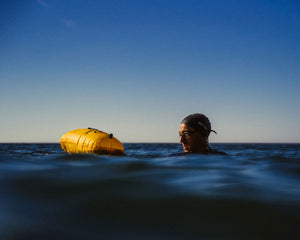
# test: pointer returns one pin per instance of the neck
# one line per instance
(203, 147)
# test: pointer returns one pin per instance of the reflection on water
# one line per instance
(251, 193)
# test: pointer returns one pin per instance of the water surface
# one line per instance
(251, 193)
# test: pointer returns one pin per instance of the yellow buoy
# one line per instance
(90, 140)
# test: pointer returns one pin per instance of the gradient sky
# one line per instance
(136, 68)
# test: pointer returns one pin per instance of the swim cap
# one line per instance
(199, 122)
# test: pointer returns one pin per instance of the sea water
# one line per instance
(253, 192)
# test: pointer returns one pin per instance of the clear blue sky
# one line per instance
(137, 68)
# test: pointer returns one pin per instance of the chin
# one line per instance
(186, 149)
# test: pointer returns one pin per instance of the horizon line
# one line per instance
(161, 143)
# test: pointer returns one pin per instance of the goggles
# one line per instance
(187, 134)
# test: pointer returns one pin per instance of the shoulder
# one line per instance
(212, 151)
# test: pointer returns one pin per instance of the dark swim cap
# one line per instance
(199, 122)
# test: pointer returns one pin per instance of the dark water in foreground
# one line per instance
(252, 193)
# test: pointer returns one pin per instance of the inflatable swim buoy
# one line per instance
(90, 140)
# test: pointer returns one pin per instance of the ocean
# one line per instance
(253, 192)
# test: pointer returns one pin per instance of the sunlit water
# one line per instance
(251, 193)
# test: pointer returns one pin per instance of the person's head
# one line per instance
(194, 131)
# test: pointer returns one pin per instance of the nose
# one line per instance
(182, 139)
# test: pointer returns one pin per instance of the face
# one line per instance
(194, 142)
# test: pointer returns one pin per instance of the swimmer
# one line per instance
(194, 131)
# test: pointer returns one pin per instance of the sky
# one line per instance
(136, 68)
